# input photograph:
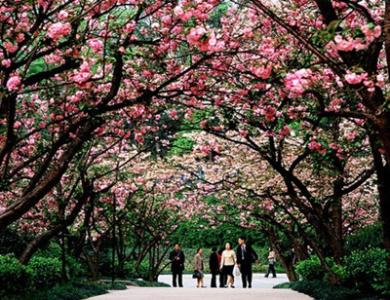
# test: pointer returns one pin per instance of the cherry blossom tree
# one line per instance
(346, 38)
(74, 70)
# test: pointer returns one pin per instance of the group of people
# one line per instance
(225, 263)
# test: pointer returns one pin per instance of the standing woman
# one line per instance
(271, 263)
(228, 262)
(199, 267)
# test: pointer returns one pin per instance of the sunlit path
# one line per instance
(262, 289)
(204, 294)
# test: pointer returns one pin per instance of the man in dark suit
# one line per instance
(177, 259)
(246, 256)
(214, 267)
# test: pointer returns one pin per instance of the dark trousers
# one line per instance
(246, 275)
(177, 274)
(222, 279)
(214, 279)
(271, 269)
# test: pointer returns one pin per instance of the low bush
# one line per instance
(44, 272)
(310, 269)
(145, 283)
(319, 290)
(283, 285)
(13, 275)
(68, 291)
(131, 271)
(366, 270)
(367, 237)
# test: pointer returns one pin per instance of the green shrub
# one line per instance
(44, 272)
(13, 275)
(310, 269)
(74, 267)
(145, 283)
(367, 269)
(320, 290)
(68, 291)
(365, 238)
(283, 285)
(131, 272)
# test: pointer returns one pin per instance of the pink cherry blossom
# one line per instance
(58, 30)
(14, 83)
(353, 78)
(96, 45)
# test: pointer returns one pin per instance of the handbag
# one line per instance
(236, 271)
(196, 274)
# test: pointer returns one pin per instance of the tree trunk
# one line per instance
(40, 240)
(387, 35)
(58, 168)
(287, 262)
(44, 237)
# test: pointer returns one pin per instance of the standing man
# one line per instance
(214, 264)
(246, 256)
(177, 259)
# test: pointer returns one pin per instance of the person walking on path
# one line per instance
(199, 268)
(214, 264)
(222, 277)
(228, 262)
(271, 264)
(246, 256)
(177, 259)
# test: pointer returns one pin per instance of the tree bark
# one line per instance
(21, 206)
(286, 262)
(44, 237)
(387, 35)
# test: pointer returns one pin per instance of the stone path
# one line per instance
(138, 293)
(262, 290)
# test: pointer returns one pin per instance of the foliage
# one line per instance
(68, 291)
(13, 275)
(12, 241)
(44, 271)
(194, 233)
(145, 283)
(283, 285)
(131, 271)
(182, 145)
(73, 266)
(320, 290)
(365, 238)
(310, 269)
(117, 285)
(367, 270)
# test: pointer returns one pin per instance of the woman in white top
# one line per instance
(228, 261)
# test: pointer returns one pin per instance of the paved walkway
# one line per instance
(138, 293)
(262, 290)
